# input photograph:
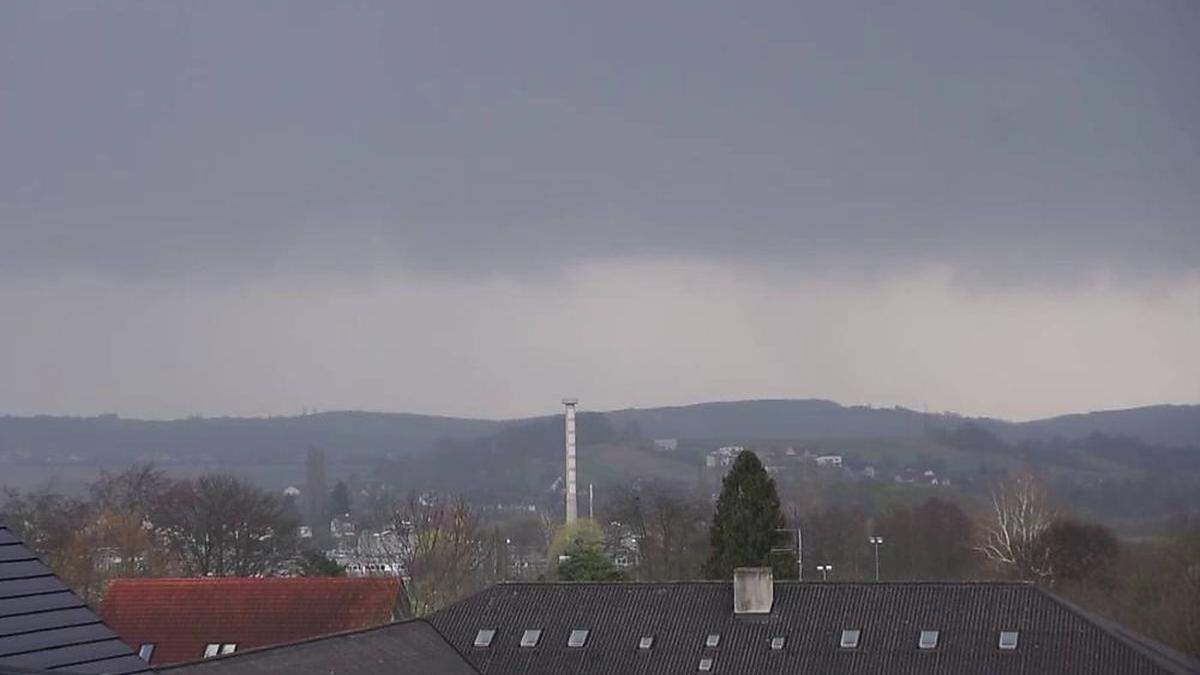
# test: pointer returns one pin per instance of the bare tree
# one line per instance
(219, 525)
(1013, 536)
(670, 526)
(441, 550)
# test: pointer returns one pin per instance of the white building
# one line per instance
(666, 444)
(829, 460)
(723, 456)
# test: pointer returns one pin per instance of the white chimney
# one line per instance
(572, 503)
(753, 590)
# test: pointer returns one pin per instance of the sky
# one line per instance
(254, 208)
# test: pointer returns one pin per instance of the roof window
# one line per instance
(929, 639)
(211, 649)
(578, 638)
(706, 664)
(646, 642)
(484, 637)
(530, 637)
(146, 652)
(712, 640)
(850, 638)
(1008, 639)
(777, 643)
(229, 648)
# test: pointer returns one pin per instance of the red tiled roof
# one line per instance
(181, 616)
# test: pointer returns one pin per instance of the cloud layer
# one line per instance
(468, 209)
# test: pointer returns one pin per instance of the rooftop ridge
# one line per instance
(1161, 654)
(313, 638)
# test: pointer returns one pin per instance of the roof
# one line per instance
(180, 617)
(46, 627)
(1054, 636)
(411, 646)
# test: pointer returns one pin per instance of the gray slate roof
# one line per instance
(404, 647)
(1055, 637)
(46, 627)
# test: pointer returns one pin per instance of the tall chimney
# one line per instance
(753, 590)
(572, 503)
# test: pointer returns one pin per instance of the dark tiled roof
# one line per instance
(405, 647)
(46, 627)
(1054, 636)
(181, 616)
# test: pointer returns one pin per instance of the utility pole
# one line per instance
(591, 503)
(876, 541)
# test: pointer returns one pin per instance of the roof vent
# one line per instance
(753, 590)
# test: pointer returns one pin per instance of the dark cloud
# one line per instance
(1010, 142)
(476, 208)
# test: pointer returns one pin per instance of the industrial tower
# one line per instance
(572, 505)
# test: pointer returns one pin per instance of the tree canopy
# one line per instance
(744, 527)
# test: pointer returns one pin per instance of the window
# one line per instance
(484, 637)
(530, 637)
(850, 639)
(705, 664)
(229, 648)
(929, 639)
(578, 638)
(777, 643)
(146, 651)
(1008, 639)
(211, 649)
(712, 640)
(646, 642)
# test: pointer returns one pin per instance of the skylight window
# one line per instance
(484, 637)
(712, 640)
(578, 638)
(929, 639)
(146, 652)
(229, 648)
(530, 637)
(850, 639)
(777, 643)
(1008, 639)
(211, 649)
(705, 664)
(646, 642)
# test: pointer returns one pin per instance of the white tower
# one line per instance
(572, 504)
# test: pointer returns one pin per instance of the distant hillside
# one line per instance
(264, 439)
(1162, 424)
(774, 419)
(363, 434)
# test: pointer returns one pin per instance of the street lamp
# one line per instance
(824, 570)
(876, 541)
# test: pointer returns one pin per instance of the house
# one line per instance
(411, 646)
(754, 625)
(666, 444)
(747, 625)
(45, 627)
(184, 619)
(829, 460)
(723, 456)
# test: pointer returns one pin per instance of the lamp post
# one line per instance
(824, 570)
(876, 541)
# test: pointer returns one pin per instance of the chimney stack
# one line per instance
(753, 590)
(572, 502)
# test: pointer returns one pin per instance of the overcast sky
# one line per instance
(477, 208)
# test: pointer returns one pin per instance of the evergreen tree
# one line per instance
(745, 523)
(339, 499)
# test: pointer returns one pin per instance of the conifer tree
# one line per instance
(745, 523)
